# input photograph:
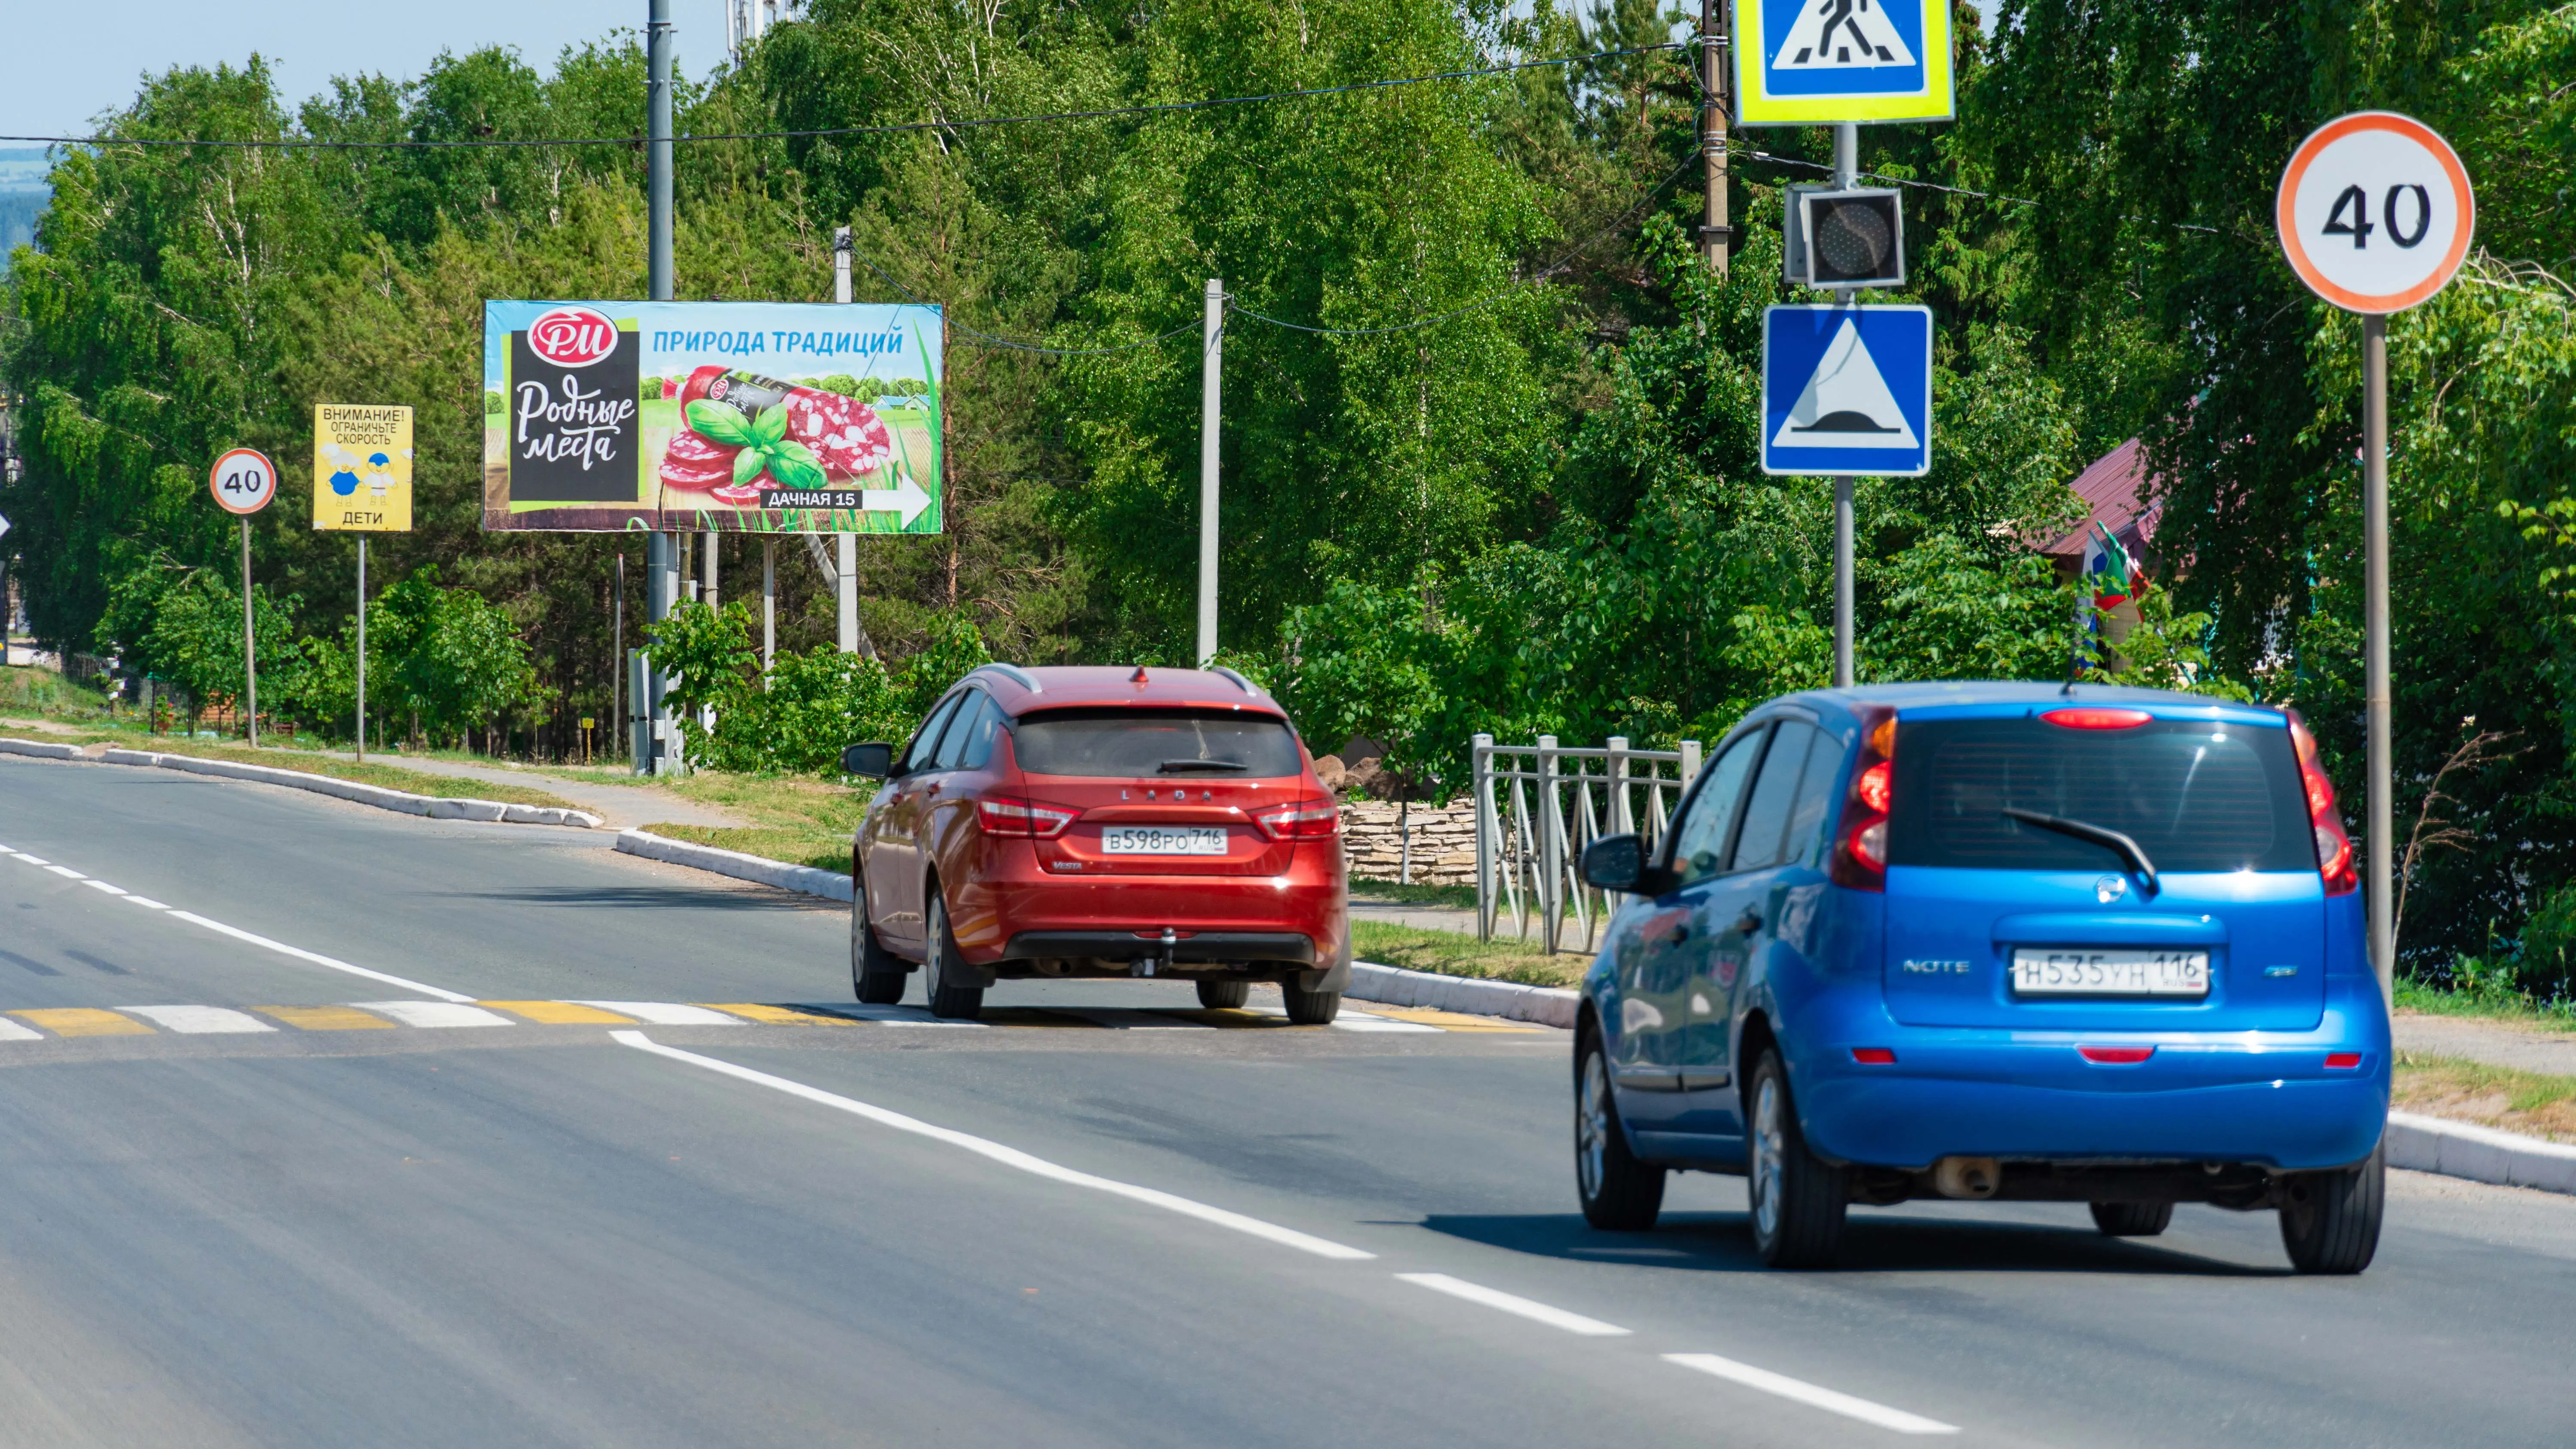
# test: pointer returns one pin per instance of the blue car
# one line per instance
(1992, 941)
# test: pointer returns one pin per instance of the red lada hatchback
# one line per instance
(1089, 822)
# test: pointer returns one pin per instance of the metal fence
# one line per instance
(1538, 805)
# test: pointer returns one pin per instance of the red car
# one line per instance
(1091, 822)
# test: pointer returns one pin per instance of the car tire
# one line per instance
(1222, 995)
(2330, 1220)
(1310, 1008)
(1619, 1193)
(876, 974)
(2132, 1219)
(956, 1003)
(1798, 1199)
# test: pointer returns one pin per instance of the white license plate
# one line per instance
(1163, 840)
(2110, 973)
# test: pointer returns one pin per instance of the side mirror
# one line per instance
(1618, 863)
(872, 761)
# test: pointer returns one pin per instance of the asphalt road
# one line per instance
(327, 1208)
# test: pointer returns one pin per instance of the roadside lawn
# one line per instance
(1451, 953)
(391, 777)
(2532, 1103)
(795, 818)
(2491, 1005)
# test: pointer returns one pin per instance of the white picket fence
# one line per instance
(1538, 805)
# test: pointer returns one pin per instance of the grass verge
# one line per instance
(1462, 897)
(1449, 953)
(793, 818)
(2491, 1005)
(2533, 1103)
(391, 777)
(792, 846)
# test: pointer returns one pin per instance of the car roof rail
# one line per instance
(1013, 673)
(1246, 685)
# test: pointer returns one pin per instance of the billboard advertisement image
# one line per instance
(738, 417)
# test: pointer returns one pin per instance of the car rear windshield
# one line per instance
(1128, 743)
(2195, 796)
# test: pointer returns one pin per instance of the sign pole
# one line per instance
(250, 642)
(362, 648)
(845, 548)
(2374, 513)
(1846, 169)
(659, 546)
(1211, 377)
(243, 481)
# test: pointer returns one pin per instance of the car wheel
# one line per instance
(959, 1002)
(1310, 1008)
(876, 974)
(2330, 1220)
(1798, 1198)
(1222, 994)
(1619, 1193)
(2132, 1219)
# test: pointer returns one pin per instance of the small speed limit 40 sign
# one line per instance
(243, 480)
(2375, 212)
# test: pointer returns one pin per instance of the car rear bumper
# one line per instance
(1010, 920)
(1195, 947)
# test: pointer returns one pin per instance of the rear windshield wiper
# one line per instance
(1176, 767)
(2129, 849)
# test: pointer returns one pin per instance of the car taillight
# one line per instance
(1010, 815)
(2115, 1056)
(1874, 1056)
(2334, 848)
(2090, 718)
(2342, 1061)
(1305, 820)
(1860, 840)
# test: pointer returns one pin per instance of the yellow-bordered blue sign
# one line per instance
(1810, 62)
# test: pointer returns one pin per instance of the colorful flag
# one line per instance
(2116, 579)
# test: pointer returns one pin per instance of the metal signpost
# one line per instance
(1211, 378)
(244, 482)
(2376, 214)
(1854, 404)
(361, 485)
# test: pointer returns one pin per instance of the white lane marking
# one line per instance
(12, 1031)
(1811, 1394)
(100, 885)
(1513, 1303)
(434, 1013)
(146, 902)
(665, 1013)
(200, 1020)
(29, 859)
(66, 872)
(300, 954)
(1007, 1156)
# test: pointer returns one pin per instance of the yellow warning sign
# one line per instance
(362, 467)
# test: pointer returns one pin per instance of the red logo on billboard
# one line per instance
(572, 336)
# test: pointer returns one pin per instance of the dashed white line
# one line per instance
(1008, 1156)
(29, 859)
(1528, 1308)
(146, 902)
(435, 1013)
(201, 1020)
(300, 954)
(1813, 1395)
(66, 872)
(100, 885)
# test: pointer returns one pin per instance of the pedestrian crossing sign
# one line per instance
(1847, 390)
(1810, 62)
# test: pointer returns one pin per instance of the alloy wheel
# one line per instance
(1592, 1125)
(1770, 1155)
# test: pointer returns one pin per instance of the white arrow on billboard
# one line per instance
(905, 498)
(1846, 403)
(1842, 34)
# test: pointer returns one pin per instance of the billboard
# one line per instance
(737, 417)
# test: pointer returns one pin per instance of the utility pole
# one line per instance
(1715, 236)
(660, 548)
(1211, 368)
(845, 547)
(1846, 175)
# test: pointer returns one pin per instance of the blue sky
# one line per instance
(65, 61)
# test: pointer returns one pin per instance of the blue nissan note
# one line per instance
(1992, 941)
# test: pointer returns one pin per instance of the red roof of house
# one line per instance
(2110, 489)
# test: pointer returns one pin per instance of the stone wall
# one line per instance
(1444, 841)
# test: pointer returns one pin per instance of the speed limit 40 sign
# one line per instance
(2375, 212)
(243, 480)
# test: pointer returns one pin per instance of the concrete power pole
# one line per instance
(1715, 236)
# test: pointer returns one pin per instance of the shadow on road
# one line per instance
(1720, 1243)
(651, 898)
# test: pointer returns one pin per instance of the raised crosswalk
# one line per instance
(48, 1023)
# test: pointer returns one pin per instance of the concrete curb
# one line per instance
(1394, 986)
(757, 869)
(435, 807)
(2480, 1154)
(41, 750)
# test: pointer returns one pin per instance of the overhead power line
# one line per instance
(499, 143)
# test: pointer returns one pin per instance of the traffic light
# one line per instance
(1852, 238)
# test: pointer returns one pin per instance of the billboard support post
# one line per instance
(845, 547)
(768, 608)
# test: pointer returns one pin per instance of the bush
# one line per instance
(2547, 969)
(816, 702)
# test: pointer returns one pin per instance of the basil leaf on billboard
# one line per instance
(771, 425)
(747, 465)
(793, 449)
(719, 422)
(796, 473)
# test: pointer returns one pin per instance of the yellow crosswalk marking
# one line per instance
(326, 1018)
(560, 1013)
(777, 1015)
(1446, 1020)
(83, 1021)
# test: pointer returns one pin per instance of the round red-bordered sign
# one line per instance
(2375, 212)
(243, 481)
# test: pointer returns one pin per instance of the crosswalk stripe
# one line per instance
(435, 1013)
(1449, 1020)
(12, 1031)
(326, 1018)
(560, 1013)
(665, 1013)
(201, 1020)
(84, 1021)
